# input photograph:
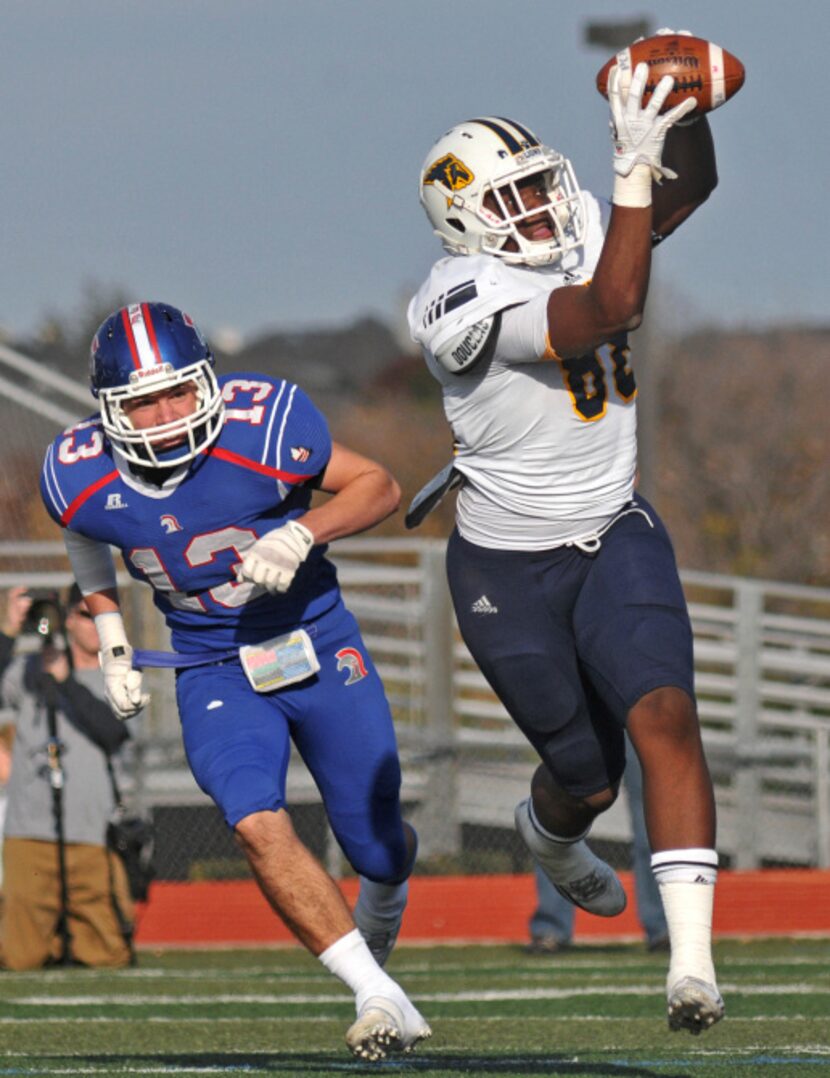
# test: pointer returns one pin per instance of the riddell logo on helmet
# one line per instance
(449, 172)
(150, 372)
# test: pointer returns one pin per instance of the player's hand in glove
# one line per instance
(122, 683)
(273, 560)
(639, 133)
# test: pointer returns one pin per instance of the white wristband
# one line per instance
(111, 632)
(633, 189)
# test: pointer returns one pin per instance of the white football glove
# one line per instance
(639, 133)
(275, 557)
(666, 31)
(121, 682)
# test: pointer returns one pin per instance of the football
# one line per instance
(700, 69)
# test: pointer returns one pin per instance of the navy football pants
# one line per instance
(570, 641)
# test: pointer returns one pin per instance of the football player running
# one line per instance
(205, 486)
(563, 578)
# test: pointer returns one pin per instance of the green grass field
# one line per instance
(596, 1010)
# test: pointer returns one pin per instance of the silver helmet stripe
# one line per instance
(141, 337)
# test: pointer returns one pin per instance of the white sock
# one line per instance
(380, 905)
(686, 880)
(351, 960)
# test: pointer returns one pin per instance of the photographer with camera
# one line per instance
(67, 899)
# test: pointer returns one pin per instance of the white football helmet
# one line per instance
(494, 155)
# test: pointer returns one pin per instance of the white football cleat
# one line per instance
(694, 1005)
(573, 869)
(382, 1028)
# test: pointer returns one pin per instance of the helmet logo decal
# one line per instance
(350, 659)
(169, 523)
(188, 321)
(450, 173)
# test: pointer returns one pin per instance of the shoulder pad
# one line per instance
(78, 460)
(462, 291)
(465, 349)
(273, 422)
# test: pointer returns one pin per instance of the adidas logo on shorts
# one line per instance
(484, 606)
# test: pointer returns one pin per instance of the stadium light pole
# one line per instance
(610, 37)
(616, 35)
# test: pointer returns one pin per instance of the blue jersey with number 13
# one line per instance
(186, 537)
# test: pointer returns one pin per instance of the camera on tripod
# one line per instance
(45, 617)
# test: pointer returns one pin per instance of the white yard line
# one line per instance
(477, 996)
(477, 1020)
(563, 964)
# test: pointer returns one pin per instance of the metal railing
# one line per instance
(762, 658)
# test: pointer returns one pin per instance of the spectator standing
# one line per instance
(66, 894)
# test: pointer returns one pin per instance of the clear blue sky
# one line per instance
(256, 161)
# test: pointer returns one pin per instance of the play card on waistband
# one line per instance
(282, 661)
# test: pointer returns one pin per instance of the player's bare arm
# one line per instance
(580, 320)
(690, 152)
(364, 494)
(103, 602)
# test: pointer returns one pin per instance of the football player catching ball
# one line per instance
(563, 577)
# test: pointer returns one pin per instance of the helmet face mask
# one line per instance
(151, 348)
(471, 191)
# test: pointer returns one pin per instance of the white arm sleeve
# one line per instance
(91, 562)
(524, 332)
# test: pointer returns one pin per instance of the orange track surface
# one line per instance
(478, 908)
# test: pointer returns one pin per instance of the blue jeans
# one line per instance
(554, 915)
